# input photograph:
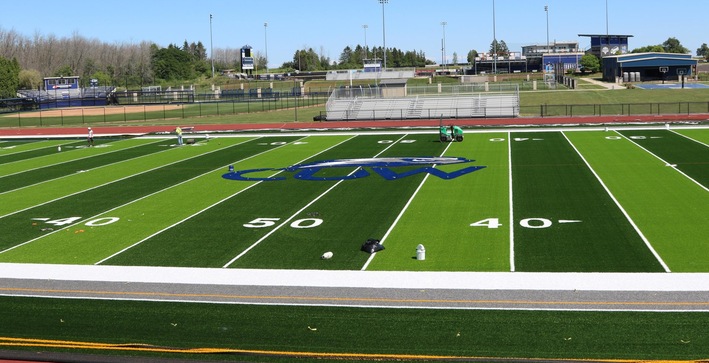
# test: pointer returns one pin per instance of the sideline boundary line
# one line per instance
(673, 166)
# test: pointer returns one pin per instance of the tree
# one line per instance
(499, 48)
(9, 77)
(472, 55)
(590, 63)
(64, 71)
(29, 79)
(455, 58)
(347, 58)
(649, 48)
(172, 63)
(703, 51)
(102, 78)
(672, 45)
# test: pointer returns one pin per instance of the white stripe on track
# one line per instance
(627, 216)
(302, 209)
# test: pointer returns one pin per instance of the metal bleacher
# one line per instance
(371, 106)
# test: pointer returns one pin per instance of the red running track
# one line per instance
(520, 121)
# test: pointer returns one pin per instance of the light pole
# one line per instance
(443, 46)
(546, 10)
(384, 34)
(211, 48)
(494, 40)
(265, 37)
(365, 26)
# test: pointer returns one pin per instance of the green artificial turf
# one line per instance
(353, 212)
(37, 194)
(691, 157)
(216, 236)
(461, 333)
(551, 184)
(9, 146)
(697, 135)
(191, 246)
(68, 155)
(45, 148)
(94, 202)
(92, 158)
(441, 214)
(670, 209)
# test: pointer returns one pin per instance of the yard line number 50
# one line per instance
(270, 222)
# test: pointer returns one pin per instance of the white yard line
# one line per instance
(401, 213)
(194, 214)
(511, 202)
(627, 216)
(673, 166)
(68, 161)
(109, 210)
(123, 178)
(689, 138)
(302, 209)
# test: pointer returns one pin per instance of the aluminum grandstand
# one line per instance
(459, 101)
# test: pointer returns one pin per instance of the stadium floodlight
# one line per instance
(443, 45)
(365, 26)
(494, 40)
(211, 47)
(265, 37)
(546, 10)
(384, 34)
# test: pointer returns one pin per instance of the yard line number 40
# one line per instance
(526, 223)
(71, 220)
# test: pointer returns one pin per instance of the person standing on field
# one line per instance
(90, 137)
(178, 131)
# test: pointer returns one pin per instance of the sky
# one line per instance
(328, 26)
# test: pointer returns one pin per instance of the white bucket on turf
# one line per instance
(420, 252)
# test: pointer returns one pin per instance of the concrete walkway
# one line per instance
(406, 289)
(602, 84)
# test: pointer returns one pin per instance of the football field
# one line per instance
(626, 200)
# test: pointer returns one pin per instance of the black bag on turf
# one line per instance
(372, 245)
